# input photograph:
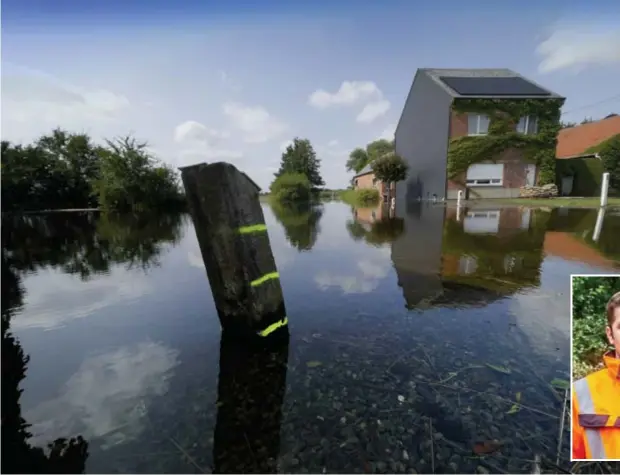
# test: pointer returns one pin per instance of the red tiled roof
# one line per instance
(576, 140)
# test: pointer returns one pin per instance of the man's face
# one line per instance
(613, 332)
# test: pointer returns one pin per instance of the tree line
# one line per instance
(64, 170)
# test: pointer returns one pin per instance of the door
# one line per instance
(530, 174)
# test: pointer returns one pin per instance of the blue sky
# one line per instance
(235, 80)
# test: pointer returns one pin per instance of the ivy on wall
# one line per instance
(504, 114)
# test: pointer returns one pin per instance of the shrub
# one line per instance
(291, 187)
(610, 156)
(367, 196)
(362, 197)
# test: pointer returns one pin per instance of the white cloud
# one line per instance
(333, 143)
(256, 123)
(191, 130)
(34, 102)
(388, 132)
(200, 143)
(349, 93)
(107, 396)
(369, 274)
(577, 46)
(373, 111)
(54, 299)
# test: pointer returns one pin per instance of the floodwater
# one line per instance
(417, 343)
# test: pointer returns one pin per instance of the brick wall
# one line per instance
(514, 165)
(366, 181)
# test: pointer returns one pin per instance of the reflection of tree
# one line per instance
(85, 243)
(76, 243)
(300, 222)
(380, 232)
(18, 456)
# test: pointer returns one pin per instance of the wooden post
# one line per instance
(230, 226)
(251, 390)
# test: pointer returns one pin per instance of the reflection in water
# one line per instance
(18, 455)
(87, 243)
(369, 385)
(300, 223)
(250, 394)
(375, 226)
(84, 244)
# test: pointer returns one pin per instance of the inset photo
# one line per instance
(595, 367)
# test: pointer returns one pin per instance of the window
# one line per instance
(528, 125)
(485, 174)
(477, 124)
(481, 222)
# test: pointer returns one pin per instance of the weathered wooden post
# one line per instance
(251, 388)
(230, 226)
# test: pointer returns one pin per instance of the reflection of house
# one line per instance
(366, 179)
(570, 247)
(485, 255)
(367, 216)
(429, 121)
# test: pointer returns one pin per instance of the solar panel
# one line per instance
(495, 86)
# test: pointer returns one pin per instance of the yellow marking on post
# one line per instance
(273, 327)
(265, 278)
(254, 228)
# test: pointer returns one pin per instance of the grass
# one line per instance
(571, 202)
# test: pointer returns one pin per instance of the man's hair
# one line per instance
(612, 305)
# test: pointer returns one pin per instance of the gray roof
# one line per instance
(436, 74)
(364, 171)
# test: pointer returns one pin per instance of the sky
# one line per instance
(237, 80)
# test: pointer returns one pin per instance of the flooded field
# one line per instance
(437, 342)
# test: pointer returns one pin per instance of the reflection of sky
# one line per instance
(119, 338)
(108, 394)
(54, 299)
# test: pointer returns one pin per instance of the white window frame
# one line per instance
(524, 124)
(477, 118)
(491, 180)
(482, 222)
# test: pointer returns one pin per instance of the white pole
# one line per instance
(604, 189)
(599, 224)
(459, 198)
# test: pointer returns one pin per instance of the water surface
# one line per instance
(412, 339)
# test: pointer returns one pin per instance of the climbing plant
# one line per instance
(504, 114)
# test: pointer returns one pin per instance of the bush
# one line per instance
(291, 187)
(590, 296)
(363, 197)
(610, 156)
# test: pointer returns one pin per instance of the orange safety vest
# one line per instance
(596, 413)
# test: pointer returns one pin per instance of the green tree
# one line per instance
(360, 157)
(390, 168)
(300, 158)
(610, 156)
(291, 187)
(130, 178)
(65, 170)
